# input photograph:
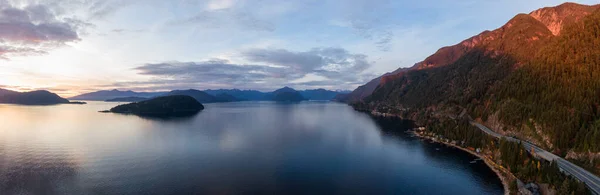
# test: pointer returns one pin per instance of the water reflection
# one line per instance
(441, 154)
(166, 118)
(30, 171)
(229, 148)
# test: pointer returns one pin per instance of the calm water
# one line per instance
(229, 148)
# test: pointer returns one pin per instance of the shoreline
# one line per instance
(493, 166)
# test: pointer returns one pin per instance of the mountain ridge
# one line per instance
(103, 95)
(38, 97)
(520, 79)
(219, 95)
(553, 19)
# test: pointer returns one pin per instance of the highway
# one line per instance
(591, 180)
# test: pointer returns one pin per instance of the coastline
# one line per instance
(495, 167)
(504, 175)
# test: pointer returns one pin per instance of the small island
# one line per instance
(165, 106)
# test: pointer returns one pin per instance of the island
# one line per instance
(164, 106)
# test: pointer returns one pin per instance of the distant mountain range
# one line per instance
(126, 99)
(287, 94)
(40, 97)
(216, 95)
(201, 96)
(106, 95)
(249, 95)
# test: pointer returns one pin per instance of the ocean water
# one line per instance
(228, 148)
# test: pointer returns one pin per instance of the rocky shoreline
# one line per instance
(502, 173)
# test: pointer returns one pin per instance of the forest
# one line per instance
(552, 84)
(510, 155)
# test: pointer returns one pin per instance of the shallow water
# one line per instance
(229, 148)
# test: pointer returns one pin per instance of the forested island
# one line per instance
(164, 106)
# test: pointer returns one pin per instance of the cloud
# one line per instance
(98, 9)
(369, 19)
(320, 60)
(34, 29)
(213, 70)
(220, 4)
(269, 69)
(6, 50)
(228, 19)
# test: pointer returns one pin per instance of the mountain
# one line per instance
(225, 97)
(319, 94)
(286, 94)
(546, 21)
(536, 77)
(206, 96)
(127, 99)
(367, 89)
(165, 106)
(111, 94)
(559, 17)
(250, 95)
(201, 96)
(40, 97)
(253, 95)
(5, 91)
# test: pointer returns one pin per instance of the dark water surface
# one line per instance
(229, 148)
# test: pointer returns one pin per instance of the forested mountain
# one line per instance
(126, 99)
(111, 94)
(200, 96)
(537, 77)
(367, 89)
(218, 95)
(40, 97)
(286, 94)
(319, 94)
(247, 95)
(554, 19)
(6, 91)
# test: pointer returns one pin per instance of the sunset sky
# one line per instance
(75, 46)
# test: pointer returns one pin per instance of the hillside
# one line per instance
(225, 97)
(536, 77)
(319, 94)
(5, 92)
(286, 94)
(249, 95)
(200, 96)
(542, 24)
(206, 96)
(367, 89)
(111, 94)
(126, 99)
(40, 97)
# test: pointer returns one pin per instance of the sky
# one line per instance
(76, 46)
